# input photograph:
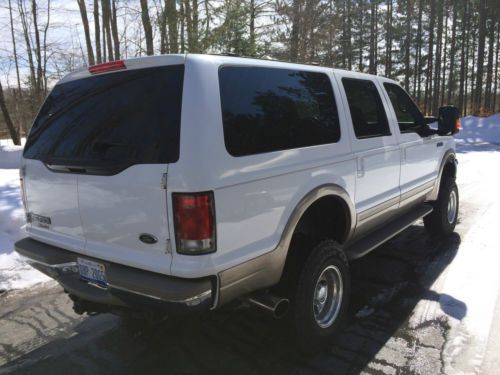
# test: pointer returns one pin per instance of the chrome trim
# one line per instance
(191, 301)
(61, 268)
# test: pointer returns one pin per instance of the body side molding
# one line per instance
(266, 269)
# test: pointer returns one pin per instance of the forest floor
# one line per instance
(418, 306)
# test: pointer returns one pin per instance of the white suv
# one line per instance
(183, 182)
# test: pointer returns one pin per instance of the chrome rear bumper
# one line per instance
(126, 286)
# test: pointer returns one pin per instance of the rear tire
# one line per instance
(322, 295)
(442, 221)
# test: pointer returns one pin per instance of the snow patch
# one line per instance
(15, 273)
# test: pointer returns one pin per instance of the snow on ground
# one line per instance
(14, 272)
(478, 142)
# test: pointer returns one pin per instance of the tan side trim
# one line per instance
(418, 191)
(378, 209)
(266, 270)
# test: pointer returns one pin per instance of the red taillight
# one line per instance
(194, 220)
(107, 67)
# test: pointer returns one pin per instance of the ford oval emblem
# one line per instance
(148, 238)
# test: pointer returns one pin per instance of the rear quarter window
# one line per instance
(127, 117)
(270, 109)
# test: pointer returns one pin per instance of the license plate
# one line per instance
(92, 272)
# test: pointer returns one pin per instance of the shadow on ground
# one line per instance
(387, 285)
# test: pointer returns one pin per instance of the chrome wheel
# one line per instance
(327, 296)
(452, 207)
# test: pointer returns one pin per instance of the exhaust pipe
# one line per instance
(269, 303)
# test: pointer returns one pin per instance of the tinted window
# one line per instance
(410, 119)
(367, 111)
(266, 109)
(125, 118)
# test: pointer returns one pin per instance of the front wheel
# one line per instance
(322, 294)
(442, 221)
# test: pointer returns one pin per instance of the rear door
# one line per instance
(375, 148)
(113, 135)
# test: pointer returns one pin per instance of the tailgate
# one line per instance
(97, 159)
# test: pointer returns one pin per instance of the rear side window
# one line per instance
(367, 111)
(409, 117)
(268, 109)
(123, 118)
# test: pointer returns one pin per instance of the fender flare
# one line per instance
(266, 270)
(449, 157)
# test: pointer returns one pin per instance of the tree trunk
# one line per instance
(445, 45)
(489, 67)
(189, 24)
(371, 68)
(194, 27)
(437, 66)
(463, 59)
(106, 22)
(114, 30)
(348, 35)
(418, 58)
(388, 40)
(361, 15)
(451, 77)
(409, 7)
(97, 32)
(172, 25)
(19, 96)
(38, 51)
(294, 37)
(8, 121)
(252, 27)
(146, 23)
(480, 57)
(430, 59)
(29, 52)
(44, 47)
(86, 30)
(496, 70)
(182, 26)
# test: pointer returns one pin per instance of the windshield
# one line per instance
(122, 118)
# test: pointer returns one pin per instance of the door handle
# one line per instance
(360, 167)
(439, 144)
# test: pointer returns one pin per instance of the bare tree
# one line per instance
(8, 121)
(86, 30)
(148, 30)
(97, 32)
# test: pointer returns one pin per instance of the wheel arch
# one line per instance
(267, 269)
(448, 168)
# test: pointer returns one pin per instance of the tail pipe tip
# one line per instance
(276, 306)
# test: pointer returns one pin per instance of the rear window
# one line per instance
(117, 119)
(269, 109)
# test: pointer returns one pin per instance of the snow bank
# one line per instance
(479, 130)
(10, 155)
(14, 272)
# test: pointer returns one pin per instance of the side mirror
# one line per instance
(448, 120)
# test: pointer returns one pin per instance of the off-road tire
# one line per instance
(309, 332)
(437, 223)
